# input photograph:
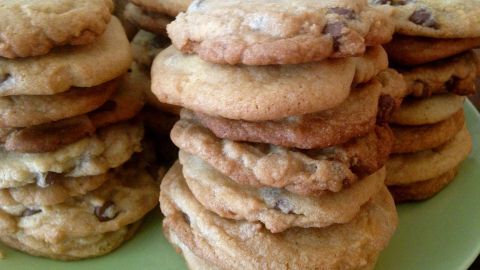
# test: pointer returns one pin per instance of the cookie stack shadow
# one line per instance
(439, 68)
(282, 146)
(73, 182)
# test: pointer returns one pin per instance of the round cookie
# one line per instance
(355, 117)
(309, 172)
(30, 28)
(409, 139)
(123, 105)
(233, 244)
(427, 111)
(405, 169)
(404, 50)
(79, 66)
(56, 189)
(278, 209)
(455, 75)
(422, 190)
(278, 32)
(24, 111)
(146, 46)
(78, 227)
(254, 93)
(169, 7)
(147, 20)
(433, 18)
(108, 148)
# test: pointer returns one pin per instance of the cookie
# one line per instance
(422, 190)
(405, 169)
(455, 75)
(146, 46)
(107, 148)
(255, 93)
(278, 32)
(231, 244)
(277, 208)
(433, 18)
(303, 172)
(24, 111)
(30, 28)
(84, 226)
(147, 20)
(56, 189)
(355, 117)
(409, 139)
(404, 50)
(168, 7)
(130, 29)
(66, 67)
(427, 111)
(48, 137)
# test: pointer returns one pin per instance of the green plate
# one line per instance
(441, 233)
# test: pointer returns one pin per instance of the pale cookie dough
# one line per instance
(277, 208)
(255, 93)
(30, 28)
(278, 32)
(79, 66)
(230, 244)
(108, 148)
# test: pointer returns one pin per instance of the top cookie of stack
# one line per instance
(65, 98)
(283, 134)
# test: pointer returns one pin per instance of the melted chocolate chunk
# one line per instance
(392, 2)
(30, 212)
(423, 17)
(106, 212)
(346, 12)
(335, 30)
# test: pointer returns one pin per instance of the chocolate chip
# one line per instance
(346, 12)
(186, 218)
(335, 30)
(284, 205)
(106, 212)
(392, 2)
(452, 83)
(386, 106)
(423, 17)
(4, 77)
(30, 212)
(159, 42)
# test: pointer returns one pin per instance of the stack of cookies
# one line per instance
(432, 48)
(283, 138)
(66, 191)
(154, 15)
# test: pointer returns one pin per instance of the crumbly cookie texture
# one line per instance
(26, 110)
(31, 28)
(82, 226)
(433, 18)
(304, 172)
(169, 7)
(78, 66)
(108, 148)
(404, 50)
(409, 139)
(278, 32)
(259, 93)
(422, 190)
(355, 117)
(427, 111)
(147, 20)
(277, 208)
(230, 244)
(420, 166)
(455, 75)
